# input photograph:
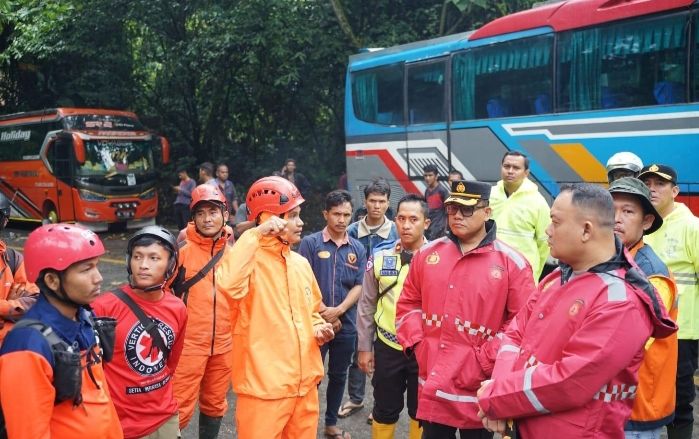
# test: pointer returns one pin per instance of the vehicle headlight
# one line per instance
(91, 196)
(148, 195)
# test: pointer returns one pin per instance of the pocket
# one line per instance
(469, 373)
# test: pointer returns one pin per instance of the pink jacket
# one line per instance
(451, 310)
(568, 364)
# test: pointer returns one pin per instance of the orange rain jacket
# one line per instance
(208, 313)
(17, 294)
(275, 302)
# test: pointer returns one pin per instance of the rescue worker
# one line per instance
(277, 328)
(203, 374)
(373, 230)
(460, 293)
(149, 337)
(635, 216)
(380, 354)
(568, 363)
(520, 211)
(623, 164)
(17, 294)
(338, 262)
(40, 398)
(677, 244)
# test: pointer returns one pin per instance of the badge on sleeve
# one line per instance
(352, 258)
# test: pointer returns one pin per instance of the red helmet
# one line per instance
(276, 195)
(209, 193)
(58, 246)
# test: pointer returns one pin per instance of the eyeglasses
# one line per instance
(466, 211)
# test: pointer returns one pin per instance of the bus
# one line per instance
(95, 167)
(567, 83)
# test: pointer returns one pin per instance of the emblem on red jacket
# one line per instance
(433, 258)
(576, 307)
(140, 351)
(496, 272)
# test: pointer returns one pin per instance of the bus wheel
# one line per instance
(50, 214)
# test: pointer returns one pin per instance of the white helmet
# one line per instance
(623, 161)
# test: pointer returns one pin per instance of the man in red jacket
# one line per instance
(568, 363)
(460, 293)
(146, 355)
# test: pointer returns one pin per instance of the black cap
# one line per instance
(634, 186)
(468, 193)
(663, 171)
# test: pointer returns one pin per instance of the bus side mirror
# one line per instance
(79, 149)
(166, 150)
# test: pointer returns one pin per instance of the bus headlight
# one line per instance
(148, 195)
(91, 196)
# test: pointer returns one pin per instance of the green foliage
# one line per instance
(247, 82)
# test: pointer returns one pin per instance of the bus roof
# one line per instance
(410, 52)
(571, 14)
(56, 113)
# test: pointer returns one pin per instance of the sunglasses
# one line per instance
(466, 211)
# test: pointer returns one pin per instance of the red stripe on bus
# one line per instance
(392, 165)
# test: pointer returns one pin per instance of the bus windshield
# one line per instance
(117, 156)
(102, 122)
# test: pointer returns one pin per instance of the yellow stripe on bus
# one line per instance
(581, 161)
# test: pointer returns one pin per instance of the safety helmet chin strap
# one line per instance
(61, 295)
(282, 240)
(170, 271)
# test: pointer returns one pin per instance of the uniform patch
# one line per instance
(576, 307)
(370, 263)
(323, 254)
(143, 356)
(389, 263)
(352, 258)
(496, 272)
(433, 258)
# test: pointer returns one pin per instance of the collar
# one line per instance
(68, 329)
(384, 231)
(633, 250)
(326, 237)
(200, 240)
(621, 259)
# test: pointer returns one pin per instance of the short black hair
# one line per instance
(594, 199)
(377, 186)
(430, 168)
(415, 198)
(289, 160)
(454, 171)
(182, 169)
(208, 167)
(337, 198)
(219, 164)
(516, 154)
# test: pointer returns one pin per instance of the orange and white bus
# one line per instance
(91, 166)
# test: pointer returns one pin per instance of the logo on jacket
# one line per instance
(323, 254)
(576, 307)
(141, 353)
(433, 258)
(352, 258)
(496, 272)
(388, 266)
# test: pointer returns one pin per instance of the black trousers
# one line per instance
(431, 430)
(393, 375)
(686, 366)
(182, 215)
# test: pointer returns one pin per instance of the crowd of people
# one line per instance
(448, 307)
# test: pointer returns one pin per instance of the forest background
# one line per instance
(248, 83)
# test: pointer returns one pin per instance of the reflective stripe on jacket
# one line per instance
(676, 242)
(522, 219)
(275, 303)
(451, 311)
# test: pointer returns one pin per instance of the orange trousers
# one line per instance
(286, 418)
(205, 378)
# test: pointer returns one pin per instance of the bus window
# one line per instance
(377, 95)
(696, 58)
(626, 64)
(513, 78)
(60, 157)
(426, 93)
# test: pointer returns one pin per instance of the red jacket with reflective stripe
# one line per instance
(450, 311)
(573, 353)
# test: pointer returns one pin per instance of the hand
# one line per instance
(365, 360)
(337, 325)
(323, 333)
(331, 313)
(176, 188)
(495, 425)
(274, 226)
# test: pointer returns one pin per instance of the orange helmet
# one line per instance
(208, 193)
(276, 195)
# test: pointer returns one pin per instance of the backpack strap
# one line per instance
(181, 290)
(56, 342)
(148, 323)
(13, 259)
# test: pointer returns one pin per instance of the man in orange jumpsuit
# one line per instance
(205, 366)
(36, 402)
(17, 295)
(277, 328)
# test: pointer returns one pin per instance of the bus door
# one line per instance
(426, 115)
(60, 154)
